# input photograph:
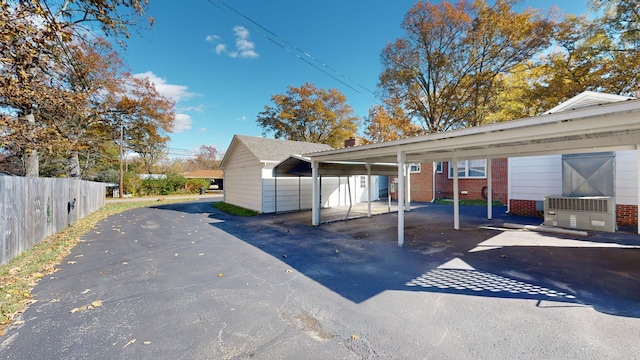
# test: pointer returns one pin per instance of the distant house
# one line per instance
(215, 177)
(249, 180)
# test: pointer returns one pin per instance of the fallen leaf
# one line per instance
(125, 263)
(85, 291)
(129, 343)
(355, 337)
(96, 303)
(71, 262)
(147, 342)
(219, 274)
(200, 254)
(19, 322)
(288, 270)
(176, 254)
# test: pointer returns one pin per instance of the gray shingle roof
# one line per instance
(276, 150)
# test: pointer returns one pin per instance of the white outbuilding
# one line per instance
(250, 180)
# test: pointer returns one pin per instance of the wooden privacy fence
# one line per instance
(32, 209)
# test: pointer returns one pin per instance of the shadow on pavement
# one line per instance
(360, 259)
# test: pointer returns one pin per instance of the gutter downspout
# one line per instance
(433, 181)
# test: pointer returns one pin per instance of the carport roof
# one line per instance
(296, 165)
(607, 127)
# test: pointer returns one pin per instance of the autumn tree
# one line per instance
(36, 59)
(586, 55)
(389, 122)
(444, 70)
(309, 114)
(206, 158)
(620, 18)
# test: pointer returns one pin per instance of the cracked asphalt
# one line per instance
(185, 281)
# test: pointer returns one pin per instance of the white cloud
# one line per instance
(182, 123)
(244, 48)
(221, 48)
(174, 92)
(203, 130)
(212, 38)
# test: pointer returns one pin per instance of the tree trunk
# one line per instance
(74, 165)
(31, 166)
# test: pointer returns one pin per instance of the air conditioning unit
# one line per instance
(584, 213)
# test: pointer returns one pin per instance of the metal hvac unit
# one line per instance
(584, 213)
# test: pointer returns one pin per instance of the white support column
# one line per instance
(401, 163)
(315, 195)
(489, 191)
(456, 197)
(368, 189)
(408, 168)
(638, 183)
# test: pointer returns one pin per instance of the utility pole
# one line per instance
(121, 180)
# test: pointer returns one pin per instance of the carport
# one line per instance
(608, 127)
(298, 166)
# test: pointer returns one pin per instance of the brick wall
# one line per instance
(524, 208)
(474, 187)
(422, 185)
(626, 215)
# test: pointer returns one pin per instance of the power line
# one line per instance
(286, 45)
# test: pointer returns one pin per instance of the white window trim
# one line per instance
(417, 165)
(466, 170)
(439, 164)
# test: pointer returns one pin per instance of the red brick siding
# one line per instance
(422, 185)
(524, 208)
(499, 173)
(626, 215)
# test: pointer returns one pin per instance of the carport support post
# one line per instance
(638, 185)
(456, 197)
(315, 194)
(368, 189)
(408, 200)
(489, 191)
(401, 162)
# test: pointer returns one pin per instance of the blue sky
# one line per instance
(222, 70)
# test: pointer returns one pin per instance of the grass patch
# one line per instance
(22, 273)
(469, 202)
(233, 209)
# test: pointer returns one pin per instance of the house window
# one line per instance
(439, 167)
(470, 169)
(363, 182)
(414, 168)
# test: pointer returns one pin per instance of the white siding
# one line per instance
(296, 193)
(626, 178)
(242, 183)
(534, 177)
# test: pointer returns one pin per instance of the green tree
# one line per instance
(310, 114)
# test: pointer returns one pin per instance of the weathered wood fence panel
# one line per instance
(32, 209)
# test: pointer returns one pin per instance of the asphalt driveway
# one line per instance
(185, 281)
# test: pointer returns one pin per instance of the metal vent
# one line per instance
(579, 204)
(586, 213)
